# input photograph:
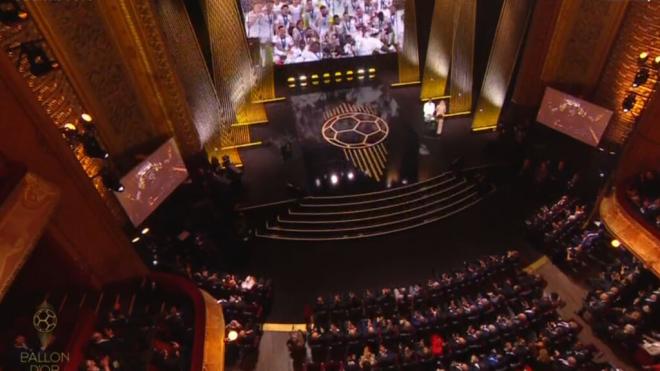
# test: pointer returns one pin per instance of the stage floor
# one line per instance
(410, 151)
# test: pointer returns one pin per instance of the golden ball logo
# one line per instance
(44, 320)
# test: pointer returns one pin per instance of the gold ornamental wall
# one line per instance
(462, 57)
(232, 66)
(581, 42)
(207, 113)
(438, 55)
(82, 43)
(501, 63)
(409, 57)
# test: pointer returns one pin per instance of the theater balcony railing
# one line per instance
(634, 232)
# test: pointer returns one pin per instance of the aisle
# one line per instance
(573, 294)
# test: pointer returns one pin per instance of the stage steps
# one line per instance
(376, 213)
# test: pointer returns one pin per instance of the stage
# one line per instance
(410, 152)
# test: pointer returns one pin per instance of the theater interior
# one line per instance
(329, 185)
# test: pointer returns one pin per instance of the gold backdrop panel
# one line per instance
(501, 63)
(438, 55)
(409, 57)
(462, 57)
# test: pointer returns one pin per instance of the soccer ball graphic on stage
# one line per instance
(354, 130)
(44, 319)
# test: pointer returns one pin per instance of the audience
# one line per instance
(644, 194)
(489, 315)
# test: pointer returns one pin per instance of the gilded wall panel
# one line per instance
(501, 63)
(462, 57)
(409, 56)
(188, 60)
(438, 55)
(232, 65)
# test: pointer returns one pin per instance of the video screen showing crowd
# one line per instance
(312, 30)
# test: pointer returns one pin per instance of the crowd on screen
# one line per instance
(311, 30)
(488, 316)
(644, 194)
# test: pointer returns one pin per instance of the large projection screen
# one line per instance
(148, 184)
(574, 117)
(313, 30)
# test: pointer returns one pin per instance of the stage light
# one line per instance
(315, 76)
(302, 78)
(372, 70)
(360, 71)
(232, 335)
(40, 63)
(656, 62)
(404, 181)
(372, 76)
(326, 75)
(338, 80)
(145, 230)
(629, 102)
(292, 85)
(338, 74)
(86, 117)
(136, 239)
(303, 84)
(315, 82)
(334, 179)
(291, 79)
(327, 81)
(640, 77)
(92, 146)
(349, 73)
(350, 175)
(643, 57)
(70, 127)
(111, 180)
(317, 182)
(350, 78)
(615, 243)
(11, 12)
(154, 262)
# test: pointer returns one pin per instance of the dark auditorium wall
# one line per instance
(643, 149)
(81, 225)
